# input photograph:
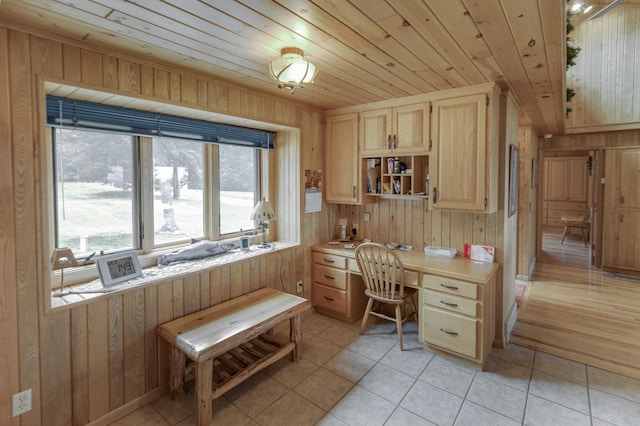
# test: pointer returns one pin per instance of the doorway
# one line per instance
(567, 213)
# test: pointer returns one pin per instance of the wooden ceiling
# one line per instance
(365, 50)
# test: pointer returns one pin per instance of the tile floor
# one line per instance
(347, 379)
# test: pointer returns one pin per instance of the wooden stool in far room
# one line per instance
(581, 223)
(383, 275)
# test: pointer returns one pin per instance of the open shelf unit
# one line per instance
(382, 182)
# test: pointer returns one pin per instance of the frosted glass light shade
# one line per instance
(291, 70)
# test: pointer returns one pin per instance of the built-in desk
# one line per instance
(457, 296)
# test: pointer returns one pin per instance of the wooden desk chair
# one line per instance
(383, 275)
(581, 225)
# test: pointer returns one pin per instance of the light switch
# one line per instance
(367, 217)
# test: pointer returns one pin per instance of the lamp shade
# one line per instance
(62, 258)
(291, 69)
(262, 211)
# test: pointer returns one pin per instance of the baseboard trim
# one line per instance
(130, 406)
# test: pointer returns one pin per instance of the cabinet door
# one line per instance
(556, 175)
(460, 150)
(621, 231)
(577, 179)
(341, 162)
(410, 134)
(375, 131)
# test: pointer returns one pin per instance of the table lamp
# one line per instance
(61, 259)
(262, 213)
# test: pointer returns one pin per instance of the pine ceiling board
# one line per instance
(269, 16)
(445, 75)
(424, 21)
(256, 78)
(554, 31)
(396, 55)
(367, 57)
(438, 71)
(490, 18)
(457, 22)
(524, 21)
(87, 6)
(331, 77)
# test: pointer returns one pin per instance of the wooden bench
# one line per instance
(227, 343)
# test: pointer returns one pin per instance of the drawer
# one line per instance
(452, 303)
(352, 265)
(331, 277)
(330, 260)
(411, 278)
(450, 331)
(450, 285)
(329, 298)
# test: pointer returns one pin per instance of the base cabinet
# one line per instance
(335, 292)
(458, 316)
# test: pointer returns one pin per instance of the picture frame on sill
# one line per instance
(513, 180)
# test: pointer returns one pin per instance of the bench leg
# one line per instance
(204, 379)
(564, 234)
(295, 336)
(176, 373)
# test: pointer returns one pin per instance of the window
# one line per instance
(98, 187)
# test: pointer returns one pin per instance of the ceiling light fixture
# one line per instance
(291, 70)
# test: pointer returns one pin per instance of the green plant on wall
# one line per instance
(572, 54)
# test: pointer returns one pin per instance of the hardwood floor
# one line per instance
(575, 311)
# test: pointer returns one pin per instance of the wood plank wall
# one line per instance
(606, 77)
(84, 363)
(527, 201)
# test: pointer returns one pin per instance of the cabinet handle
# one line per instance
(329, 261)
(354, 191)
(394, 141)
(450, 287)
(621, 218)
(453, 305)
(434, 196)
(329, 277)
(389, 142)
(449, 332)
(329, 299)
(622, 199)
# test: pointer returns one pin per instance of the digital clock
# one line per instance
(118, 267)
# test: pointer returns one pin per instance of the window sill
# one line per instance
(93, 290)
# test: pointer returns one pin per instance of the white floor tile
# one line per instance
(361, 407)
(611, 408)
(560, 391)
(498, 397)
(541, 412)
(475, 415)
(402, 417)
(387, 383)
(448, 376)
(556, 366)
(432, 403)
(615, 384)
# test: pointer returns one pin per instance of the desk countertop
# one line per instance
(416, 260)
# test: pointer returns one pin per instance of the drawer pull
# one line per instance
(329, 277)
(329, 299)
(449, 332)
(329, 261)
(453, 305)
(450, 287)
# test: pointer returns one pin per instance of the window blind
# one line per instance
(72, 113)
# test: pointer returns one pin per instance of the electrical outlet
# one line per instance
(21, 402)
(354, 228)
(300, 287)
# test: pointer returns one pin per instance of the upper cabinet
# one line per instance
(566, 178)
(446, 142)
(398, 130)
(464, 154)
(341, 160)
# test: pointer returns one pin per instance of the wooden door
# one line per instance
(411, 129)
(459, 149)
(556, 174)
(341, 161)
(375, 132)
(622, 209)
